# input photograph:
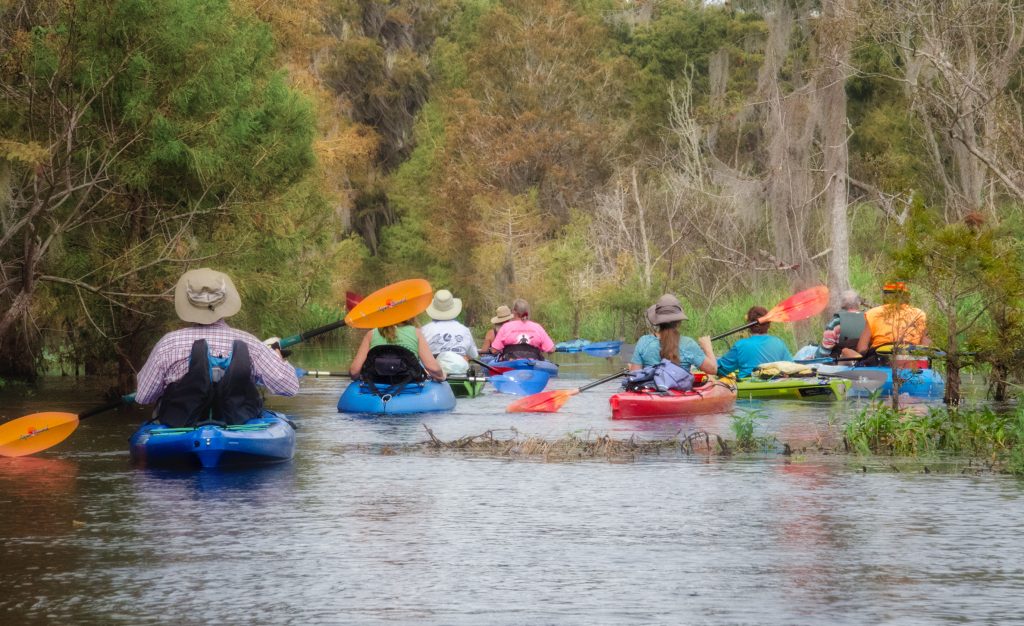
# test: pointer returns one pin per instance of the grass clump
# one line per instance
(976, 432)
(744, 427)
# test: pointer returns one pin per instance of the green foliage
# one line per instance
(744, 428)
(971, 432)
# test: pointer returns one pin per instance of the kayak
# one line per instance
(520, 382)
(576, 345)
(269, 438)
(603, 348)
(425, 397)
(470, 387)
(808, 388)
(712, 397)
(920, 383)
(526, 364)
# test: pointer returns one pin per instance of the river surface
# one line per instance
(349, 533)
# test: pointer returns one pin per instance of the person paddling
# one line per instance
(501, 315)
(666, 342)
(209, 370)
(521, 337)
(404, 335)
(750, 352)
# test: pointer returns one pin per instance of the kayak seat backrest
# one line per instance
(851, 325)
(515, 351)
(390, 365)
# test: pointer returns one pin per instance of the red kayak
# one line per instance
(711, 397)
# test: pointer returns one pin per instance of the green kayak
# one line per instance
(818, 388)
(468, 387)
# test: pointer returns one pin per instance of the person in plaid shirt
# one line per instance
(204, 297)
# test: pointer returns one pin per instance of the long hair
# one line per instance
(668, 336)
(389, 333)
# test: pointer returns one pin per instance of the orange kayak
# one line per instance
(711, 397)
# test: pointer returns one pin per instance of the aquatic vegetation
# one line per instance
(744, 427)
(573, 446)
(975, 432)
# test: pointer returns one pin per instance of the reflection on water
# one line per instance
(344, 534)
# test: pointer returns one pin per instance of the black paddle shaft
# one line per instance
(309, 334)
(735, 330)
(601, 381)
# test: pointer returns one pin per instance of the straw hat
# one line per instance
(501, 315)
(445, 306)
(204, 296)
(666, 309)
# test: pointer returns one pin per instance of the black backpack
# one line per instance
(515, 351)
(391, 365)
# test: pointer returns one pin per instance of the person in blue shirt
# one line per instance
(760, 347)
(667, 343)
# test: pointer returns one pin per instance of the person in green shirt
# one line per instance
(667, 343)
(404, 334)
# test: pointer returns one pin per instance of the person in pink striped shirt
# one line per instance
(522, 331)
(204, 297)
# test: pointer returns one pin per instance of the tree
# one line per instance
(132, 132)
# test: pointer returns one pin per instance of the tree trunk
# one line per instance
(952, 397)
(835, 59)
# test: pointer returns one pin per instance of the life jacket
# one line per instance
(515, 351)
(214, 389)
(892, 323)
(393, 366)
(661, 377)
(851, 325)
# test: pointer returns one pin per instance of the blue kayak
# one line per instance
(414, 397)
(520, 382)
(528, 364)
(269, 438)
(603, 348)
(922, 383)
(576, 345)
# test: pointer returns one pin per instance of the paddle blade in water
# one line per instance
(799, 306)
(543, 402)
(32, 433)
(393, 304)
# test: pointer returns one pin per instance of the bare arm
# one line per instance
(360, 358)
(710, 364)
(864, 342)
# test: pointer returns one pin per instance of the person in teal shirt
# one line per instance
(760, 347)
(667, 343)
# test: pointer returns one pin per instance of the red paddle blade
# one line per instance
(800, 306)
(498, 369)
(352, 299)
(32, 433)
(543, 402)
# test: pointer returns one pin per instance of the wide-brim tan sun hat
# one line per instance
(204, 296)
(445, 306)
(666, 309)
(501, 315)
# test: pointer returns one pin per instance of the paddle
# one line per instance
(797, 307)
(491, 368)
(39, 431)
(387, 306)
(327, 374)
(551, 401)
(868, 380)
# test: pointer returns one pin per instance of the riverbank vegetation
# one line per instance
(585, 154)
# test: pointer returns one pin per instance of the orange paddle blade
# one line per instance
(543, 402)
(393, 304)
(32, 433)
(799, 306)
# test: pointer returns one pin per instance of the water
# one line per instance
(348, 534)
